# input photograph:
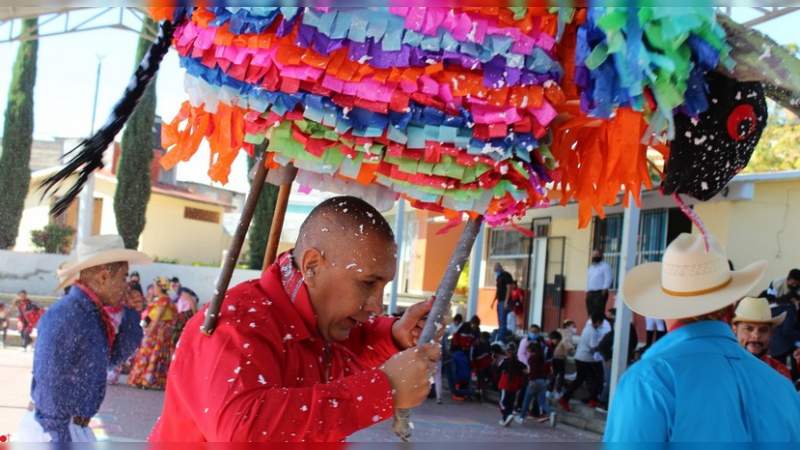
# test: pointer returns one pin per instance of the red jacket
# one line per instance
(778, 366)
(261, 377)
(512, 375)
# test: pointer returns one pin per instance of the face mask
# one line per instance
(573, 329)
(597, 259)
(532, 335)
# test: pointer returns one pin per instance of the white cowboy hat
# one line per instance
(95, 251)
(756, 310)
(689, 282)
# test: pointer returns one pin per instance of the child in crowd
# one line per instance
(512, 380)
(481, 363)
(538, 374)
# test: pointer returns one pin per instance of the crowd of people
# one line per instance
(166, 306)
(529, 370)
(526, 370)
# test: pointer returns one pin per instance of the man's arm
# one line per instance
(522, 351)
(771, 289)
(608, 278)
(129, 337)
(251, 402)
(373, 342)
(58, 372)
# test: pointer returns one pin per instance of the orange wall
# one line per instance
(437, 253)
(487, 314)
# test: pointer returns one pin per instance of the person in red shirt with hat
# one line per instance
(753, 324)
(302, 354)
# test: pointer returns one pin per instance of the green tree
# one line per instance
(15, 174)
(262, 219)
(779, 146)
(133, 173)
(53, 238)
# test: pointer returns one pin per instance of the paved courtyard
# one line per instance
(128, 415)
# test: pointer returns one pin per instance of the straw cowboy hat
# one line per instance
(689, 282)
(757, 310)
(95, 251)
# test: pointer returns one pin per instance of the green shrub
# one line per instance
(53, 238)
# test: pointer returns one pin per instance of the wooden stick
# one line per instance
(277, 220)
(441, 308)
(212, 313)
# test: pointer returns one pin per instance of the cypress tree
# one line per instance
(15, 174)
(262, 219)
(133, 170)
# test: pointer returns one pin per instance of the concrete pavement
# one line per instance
(128, 414)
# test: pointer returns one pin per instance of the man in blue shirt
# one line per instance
(697, 383)
(78, 342)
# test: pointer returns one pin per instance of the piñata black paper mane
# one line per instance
(87, 156)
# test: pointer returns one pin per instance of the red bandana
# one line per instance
(291, 277)
(104, 316)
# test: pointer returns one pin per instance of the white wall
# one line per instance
(36, 273)
(33, 218)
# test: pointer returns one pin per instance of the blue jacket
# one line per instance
(698, 384)
(72, 358)
(787, 333)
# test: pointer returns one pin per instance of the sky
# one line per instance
(67, 65)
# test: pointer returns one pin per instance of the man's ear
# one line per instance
(310, 263)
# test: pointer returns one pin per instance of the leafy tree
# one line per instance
(15, 174)
(779, 147)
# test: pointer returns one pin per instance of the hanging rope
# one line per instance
(689, 212)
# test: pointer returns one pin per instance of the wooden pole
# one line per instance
(441, 307)
(277, 220)
(212, 313)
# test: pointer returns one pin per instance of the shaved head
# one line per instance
(347, 255)
(339, 219)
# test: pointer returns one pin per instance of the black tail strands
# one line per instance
(88, 155)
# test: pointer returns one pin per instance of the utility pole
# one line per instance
(86, 199)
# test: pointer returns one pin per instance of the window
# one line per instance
(607, 236)
(653, 224)
(541, 227)
(203, 215)
(652, 236)
(512, 250)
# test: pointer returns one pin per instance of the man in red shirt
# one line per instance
(753, 326)
(301, 354)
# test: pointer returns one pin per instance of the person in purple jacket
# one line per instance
(78, 342)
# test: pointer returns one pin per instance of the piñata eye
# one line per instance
(742, 122)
